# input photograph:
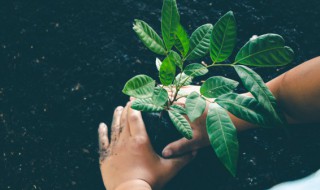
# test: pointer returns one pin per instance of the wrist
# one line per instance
(136, 184)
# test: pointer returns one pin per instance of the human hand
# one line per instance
(128, 161)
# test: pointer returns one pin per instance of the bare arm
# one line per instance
(297, 92)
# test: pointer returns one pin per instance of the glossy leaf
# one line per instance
(175, 58)
(195, 106)
(140, 86)
(217, 86)
(195, 69)
(265, 51)
(200, 42)
(158, 63)
(223, 137)
(182, 42)
(182, 77)
(244, 107)
(178, 109)
(223, 38)
(254, 84)
(181, 124)
(149, 37)
(167, 71)
(146, 105)
(170, 20)
(160, 96)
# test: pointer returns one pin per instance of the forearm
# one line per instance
(134, 185)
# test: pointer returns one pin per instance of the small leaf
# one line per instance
(200, 42)
(140, 86)
(216, 86)
(223, 137)
(254, 84)
(223, 38)
(181, 124)
(265, 51)
(146, 105)
(149, 37)
(178, 109)
(195, 106)
(195, 69)
(182, 42)
(243, 107)
(175, 58)
(170, 20)
(167, 71)
(182, 77)
(158, 63)
(160, 96)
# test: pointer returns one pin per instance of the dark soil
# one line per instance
(63, 64)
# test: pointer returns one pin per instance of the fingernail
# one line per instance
(119, 108)
(167, 153)
(102, 128)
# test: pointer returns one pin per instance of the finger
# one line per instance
(174, 165)
(179, 147)
(103, 141)
(124, 126)
(136, 123)
(115, 127)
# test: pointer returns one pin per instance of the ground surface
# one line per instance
(63, 64)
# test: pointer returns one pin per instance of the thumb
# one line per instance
(178, 147)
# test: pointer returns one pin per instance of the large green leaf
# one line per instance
(200, 42)
(175, 58)
(243, 107)
(254, 84)
(181, 124)
(195, 106)
(223, 137)
(160, 96)
(182, 77)
(223, 38)
(149, 37)
(178, 109)
(182, 42)
(167, 70)
(170, 21)
(216, 86)
(140, 86)
(265, 51)
(195, 69)
(146, 105)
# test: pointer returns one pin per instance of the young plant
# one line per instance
(218, 40)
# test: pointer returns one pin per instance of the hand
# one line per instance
(200, 137)
(128, 161)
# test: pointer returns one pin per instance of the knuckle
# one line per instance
(140, 140)
(133, 117)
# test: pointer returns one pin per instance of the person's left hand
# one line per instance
(129, 160)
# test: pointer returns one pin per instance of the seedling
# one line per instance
(176, 70)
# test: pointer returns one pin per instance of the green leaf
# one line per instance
(167, 71)
(265, 51)
(223, 38)
(160, 96)
(140, 86)
(182, 77)
(178, 109)
(254, 84)
(175, 58)
(182, 42)
(149, 37)
(200, 42)
(195, 69)
(223, 137)
(146, 105)
(216, 86)
(158, 63)
(243, 107)
(181, 124)
(195, 106)
(170, 20)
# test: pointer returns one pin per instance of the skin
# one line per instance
(297, 93)
(128, 161)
